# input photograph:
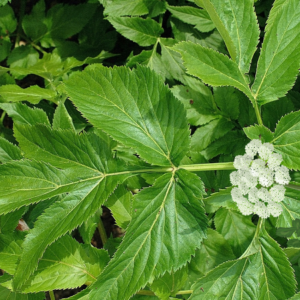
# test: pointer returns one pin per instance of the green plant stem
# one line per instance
(52, 297)
(192, 168)
(150, 293)
(257, 112)
(208, 167)
(102, 231)
(21, 15)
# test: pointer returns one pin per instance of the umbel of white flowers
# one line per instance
(259, 180)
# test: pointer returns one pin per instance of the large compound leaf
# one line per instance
(168, 225)
(88, 173)
(266, 274)
(279, 60)
(212, 67)
(237, 23)
(145, 32)
(135, 108)
(286, 140)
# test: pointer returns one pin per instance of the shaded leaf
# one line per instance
(141, 31)
(237, 229)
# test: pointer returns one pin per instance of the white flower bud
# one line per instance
(261, 210)
(252, 195)
(274, 161)
(282, 175)
(237, 195)
(275, 209)
(245, 207)
(247, 177)
(257, 167)
(252, 148)
(277, 192)
(264, 195)
(266, 178)
(265, 150)
(235, 178)
(242, 162)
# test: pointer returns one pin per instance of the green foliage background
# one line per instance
(141, 106)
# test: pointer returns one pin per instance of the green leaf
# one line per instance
(33, 94)
(259, 132)
(169, 283)
(87, 229)
(278, 64)
(62, 119)
(208, 133)
(10, 250)
(228, 99)
(171, 60)
(87, 173)
(213, 251)
(186, 32)
(120, 204)
(144, 32)
(23, 114)
(274, 111)
(286, 140)
(63, 21)
(70, 263)
(8, 151)
(197, 100)
(8, 21)
(220, 199)
(135, 108)
(233, 142)
(237, 229)
(5, 46)
(7, 294)
(168, 225)
(21, 58)
(212, 67)
(33, 24)
(236, 21)
(268, 271)
(119, 8)
(193, 16)
(10, 221)
(291, 208)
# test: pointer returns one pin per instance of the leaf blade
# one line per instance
(130, 106)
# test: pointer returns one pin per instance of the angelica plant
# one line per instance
(190, 137)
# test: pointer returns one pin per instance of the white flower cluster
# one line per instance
(259, 180)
